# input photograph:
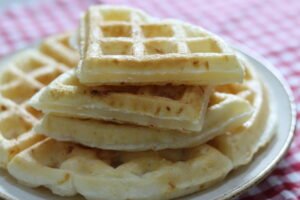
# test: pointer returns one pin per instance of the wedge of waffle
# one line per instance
(67, 169)
(120, 45)
(225, 112)
(180, 108)
(21, 77)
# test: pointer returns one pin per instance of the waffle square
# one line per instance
(180, 108)
(126, 46)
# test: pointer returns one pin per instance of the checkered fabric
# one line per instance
(269, 27)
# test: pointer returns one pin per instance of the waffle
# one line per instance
(242, 143)
(60, 48)
(180, 108)
(15, 130)
(67, 169)
(225, 112)
(22, 76)
(30, 70)
(120, 45)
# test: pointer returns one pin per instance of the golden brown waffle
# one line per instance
(67, 169)
(180, 108)
(120, 45)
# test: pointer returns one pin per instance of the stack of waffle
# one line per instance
(155, 109)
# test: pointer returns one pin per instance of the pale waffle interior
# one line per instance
(118, 42)
(170, 107)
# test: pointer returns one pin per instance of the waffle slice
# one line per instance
(67, 169)
(242, 143)
(120, 45)
(225, 112)
(15, 130)
(169, 107)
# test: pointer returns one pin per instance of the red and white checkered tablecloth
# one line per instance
(269, 27)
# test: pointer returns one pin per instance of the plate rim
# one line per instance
(290, 136)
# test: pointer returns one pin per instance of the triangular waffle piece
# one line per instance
(120, 45)
(67, 169)
(224, 113)
(169, 107)
(242, 143)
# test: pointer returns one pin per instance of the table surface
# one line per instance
(271, 28)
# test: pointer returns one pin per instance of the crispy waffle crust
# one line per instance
(180, 108)
(120, 45)
(69, 168)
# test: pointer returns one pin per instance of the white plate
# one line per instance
(236, 182)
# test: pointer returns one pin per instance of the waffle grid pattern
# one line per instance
(26, 74)
(15, 138)
(128, 34)
(268, 27)
(33, 69)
